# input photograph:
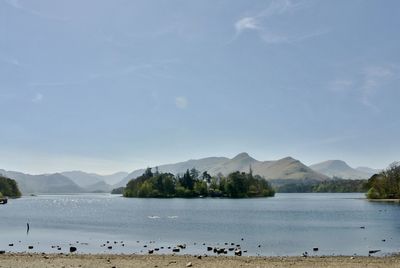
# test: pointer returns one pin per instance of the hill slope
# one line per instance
(46, 183)
(85, 180)
(339, 168)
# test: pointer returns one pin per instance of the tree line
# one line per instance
(385, 185)
(195, 184)
(336, 185)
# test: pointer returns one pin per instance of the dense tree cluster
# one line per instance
(9, 187)
(119, 190)
(385, 185)
(195, 184)
(336, 185)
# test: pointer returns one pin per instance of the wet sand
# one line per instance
(109, 261)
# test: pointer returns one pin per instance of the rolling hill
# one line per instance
(47, 183)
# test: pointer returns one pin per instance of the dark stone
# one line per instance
(109, 247)
(209, 248)
(199, 257)
(151, 251)
(362, 227)
(176, 250)
(373, 251)
(10, 245)
(156, 249)
(315, 249)
(2, 251)
(220, 250)
(231, 249)
(30, 247)
(72, 249)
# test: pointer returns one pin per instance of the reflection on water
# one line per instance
(288, 224)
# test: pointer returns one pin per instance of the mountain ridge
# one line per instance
(286, 168)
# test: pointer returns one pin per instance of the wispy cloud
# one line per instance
(150, 70)
(341, 85)
(37, 98)
(375, 78)
(10, 61)
(367, 83)
(258, 24)
(246, 23)
(18, 5)
(181, 102)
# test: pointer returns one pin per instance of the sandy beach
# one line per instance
(109, 261)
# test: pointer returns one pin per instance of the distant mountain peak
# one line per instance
(288, 158)
(243, 155)
(337, 163)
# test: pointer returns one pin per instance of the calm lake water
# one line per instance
(288, 224)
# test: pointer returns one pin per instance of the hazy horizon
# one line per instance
(109, 86)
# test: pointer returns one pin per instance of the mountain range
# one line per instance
(65, 182)
(340, 169)
(285, 170)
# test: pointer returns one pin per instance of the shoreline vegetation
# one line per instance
(9, 188)
(336, 185)
(385, 185)
(193, 184)
(121, 261)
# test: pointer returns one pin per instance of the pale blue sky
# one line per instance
(105, 86)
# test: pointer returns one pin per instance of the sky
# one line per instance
(105, 86)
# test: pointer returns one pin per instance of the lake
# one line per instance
(288, 224)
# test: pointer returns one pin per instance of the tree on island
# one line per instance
(9, 187)
(385, 185)
(191, 184)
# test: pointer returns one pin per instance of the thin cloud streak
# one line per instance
(367, 82)
(38, 98)
(18, 5)
(276, 8)
(181, 102)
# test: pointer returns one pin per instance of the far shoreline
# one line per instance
(384, 200)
